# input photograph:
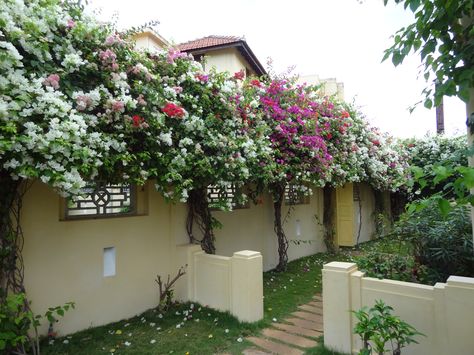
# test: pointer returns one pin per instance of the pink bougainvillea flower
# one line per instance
(240, 75)
(173, 54)
(52, 80)
(141, 101)
(256, 83)
(173, 110)
(345, 114)
(202, 77)
(70, 23)
(118, 106)
(83, 101)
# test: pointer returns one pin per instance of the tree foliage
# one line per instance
(443, 36)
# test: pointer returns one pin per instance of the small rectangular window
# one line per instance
(109, 262)
(295, 197)
(216, 193)
(102, 200)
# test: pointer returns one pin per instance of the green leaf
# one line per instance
(428, 104)
(414, 4)
(444, 206)
(397, 58)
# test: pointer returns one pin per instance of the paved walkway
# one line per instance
(293, 334)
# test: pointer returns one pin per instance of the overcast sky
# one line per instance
(342, 39)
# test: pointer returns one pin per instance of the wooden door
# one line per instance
(345, 215)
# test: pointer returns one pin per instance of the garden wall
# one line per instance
(233, 284)
(64, 260)
(252, 229)
(444, 312)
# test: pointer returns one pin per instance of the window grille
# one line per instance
(101, 201)
(295, 197)
(217, 193)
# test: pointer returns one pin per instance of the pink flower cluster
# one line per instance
(52, 80)
(83, 102)
(173, 54)
(296, 136)
(109, 59)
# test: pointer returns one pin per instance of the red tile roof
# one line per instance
(209, 41)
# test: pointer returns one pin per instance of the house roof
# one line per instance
(211, 43)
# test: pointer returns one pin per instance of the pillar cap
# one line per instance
(247, 254)
(340, 266)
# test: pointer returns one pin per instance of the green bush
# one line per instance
(17, 320)
(392, 266)
(377, 327)
(443, 243)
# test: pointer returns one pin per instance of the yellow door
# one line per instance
(345, 215)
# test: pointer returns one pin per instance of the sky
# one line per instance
(342, 39)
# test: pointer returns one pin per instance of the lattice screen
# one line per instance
(295, 197)
(216, 193)
(102, 200)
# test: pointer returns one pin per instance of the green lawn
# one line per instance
(191, 328)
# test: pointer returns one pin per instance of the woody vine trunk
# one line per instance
(328, 219)
(278, 195)
(199, 214)
(11, 238)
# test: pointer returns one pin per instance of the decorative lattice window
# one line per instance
(295, 197)
(102, 200)
(217, 193)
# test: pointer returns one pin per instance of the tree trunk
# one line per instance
(200, 214)
(470, 139)
(11, 267)
(328, 219)
(278, 192)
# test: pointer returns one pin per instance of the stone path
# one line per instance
(294, 334)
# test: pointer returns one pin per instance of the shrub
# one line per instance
(377, 327)
(441, 242)
(392, 266)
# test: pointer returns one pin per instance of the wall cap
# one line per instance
(340, 266)
(247, 254)
(461, 281)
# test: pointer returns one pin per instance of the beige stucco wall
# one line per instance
(329, 86)
(252, 229)
(444, 312)
(64, 259)
(227, 59)
(364, 213)
(150, 41)
(233, 284)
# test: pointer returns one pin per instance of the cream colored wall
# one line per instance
(330, 86)
(233, 284)
(147, 40)
(227, 59)
(444, 313)
(64, 259)
(367, 209)
(252, 229)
